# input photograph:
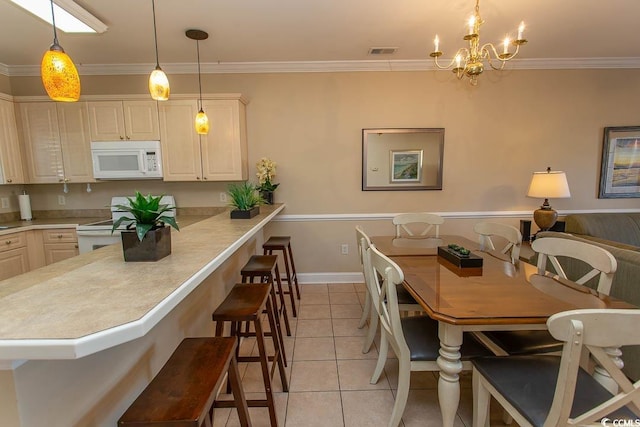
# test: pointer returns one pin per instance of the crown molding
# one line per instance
(321, 66)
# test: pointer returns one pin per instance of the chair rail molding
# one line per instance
(452, 215)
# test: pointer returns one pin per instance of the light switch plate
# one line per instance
(5, 202)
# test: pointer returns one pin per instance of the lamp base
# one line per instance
(545, 218)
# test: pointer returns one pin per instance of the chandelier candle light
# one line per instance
(470, 61)
(59, 75)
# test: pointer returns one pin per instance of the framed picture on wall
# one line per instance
(620, 173)
(406, 165)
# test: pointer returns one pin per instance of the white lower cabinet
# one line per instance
(14, 258)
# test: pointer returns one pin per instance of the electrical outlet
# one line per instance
(223, 197)
(62, 200)
(344, 249)
(5, 203)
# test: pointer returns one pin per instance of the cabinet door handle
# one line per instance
(9, 181)
(75, 246)
(197, 177)
(128, 137)
(59, 236)
(8, 242)
(121, 137)
(205, 178)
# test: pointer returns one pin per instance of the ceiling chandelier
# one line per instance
(470, 61)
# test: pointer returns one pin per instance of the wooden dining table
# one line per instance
(497, 296)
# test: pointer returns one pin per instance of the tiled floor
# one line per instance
(329, 375)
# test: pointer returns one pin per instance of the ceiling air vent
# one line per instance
(382, 50)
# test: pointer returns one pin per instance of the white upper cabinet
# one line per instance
(224, 149)
(219, 156)
(124, 120)
(56, 141)
(41, 142)
(73, 125)
(181, 155)
(11, 171)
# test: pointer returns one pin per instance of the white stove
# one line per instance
(98, 234)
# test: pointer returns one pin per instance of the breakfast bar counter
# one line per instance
(83, 312)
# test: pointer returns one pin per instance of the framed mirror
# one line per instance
(402, 159)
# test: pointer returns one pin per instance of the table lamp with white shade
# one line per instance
(548, 185)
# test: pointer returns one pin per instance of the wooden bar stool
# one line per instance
(184, 391)
(283, 243)
(245, 303)
(265, 268)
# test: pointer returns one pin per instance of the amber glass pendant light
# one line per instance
(202, 121)
(59, 75)
(158, 81)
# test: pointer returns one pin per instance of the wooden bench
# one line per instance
(183, 393)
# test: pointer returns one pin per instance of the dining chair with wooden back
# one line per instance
(487, 230)
(407, 224)
(603, 267)
(549, 391)
(414, 340)
(406, 302)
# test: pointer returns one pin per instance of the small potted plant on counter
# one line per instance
(147, 237)
(266, 171)
(245, 200)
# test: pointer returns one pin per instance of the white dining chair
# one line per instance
(406, 303)
(408, 224)
(602, 266)
(549, 391)
(414, 340)
(487, 230)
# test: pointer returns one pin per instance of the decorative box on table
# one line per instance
(459, 260)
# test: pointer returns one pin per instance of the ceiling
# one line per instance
(290, 35)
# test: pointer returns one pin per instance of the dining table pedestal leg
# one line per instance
(450, 367)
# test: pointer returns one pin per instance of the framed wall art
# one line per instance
(406, 166)
(620, 169)
(402, 159)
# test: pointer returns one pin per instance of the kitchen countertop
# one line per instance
(36, 224)
(95, 301)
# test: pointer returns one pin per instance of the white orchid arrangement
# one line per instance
(266, 171)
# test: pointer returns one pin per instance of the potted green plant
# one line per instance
(245, 200)
(146, 238)
(266, 171)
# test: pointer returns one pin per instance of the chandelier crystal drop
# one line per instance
(59, 74)
(470, 61)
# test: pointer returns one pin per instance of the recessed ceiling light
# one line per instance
(70, 17)
(382, 50)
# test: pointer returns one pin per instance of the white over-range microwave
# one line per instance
(126, 160)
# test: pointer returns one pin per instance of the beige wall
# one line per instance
(496, 134)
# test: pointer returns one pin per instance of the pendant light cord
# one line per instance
(53, 20)
(155, 31)
(199, 79)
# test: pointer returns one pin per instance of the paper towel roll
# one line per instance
(25, 207)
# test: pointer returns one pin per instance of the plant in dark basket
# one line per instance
(147, 237)
(245, 200)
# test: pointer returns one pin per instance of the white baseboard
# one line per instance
(318, 278)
